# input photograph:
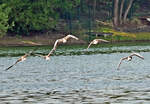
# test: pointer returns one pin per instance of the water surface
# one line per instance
(76, 77)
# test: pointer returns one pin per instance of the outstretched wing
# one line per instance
(121, 62)
(20, 59)
(50, 52)
(54, 48)
(39, 55)
(148, 19)
(55, 45)
(138, 55)
(102, 40)
(30, 52)
(13, 64)
(9, 67)
(90, 45)
(71, 36)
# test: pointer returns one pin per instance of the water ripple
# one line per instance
(76, 79)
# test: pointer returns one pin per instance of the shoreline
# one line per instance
(39, 40)
(49, 40)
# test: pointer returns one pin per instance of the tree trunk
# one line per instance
(94, 8)
(121, 11)
(127, 10)
(115, 19)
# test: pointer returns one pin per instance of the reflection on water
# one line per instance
(76, 79)
(65, 50)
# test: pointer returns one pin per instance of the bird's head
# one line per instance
(129, 58)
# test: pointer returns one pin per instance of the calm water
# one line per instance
(76, 79)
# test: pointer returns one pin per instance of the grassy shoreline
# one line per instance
(77, 49)
(104, 48)
(50, 39)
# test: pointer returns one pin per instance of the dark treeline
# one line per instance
(21, 17)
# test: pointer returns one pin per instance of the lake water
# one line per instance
(74, 76)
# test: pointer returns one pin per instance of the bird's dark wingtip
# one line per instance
(8, 68)
(118, 69)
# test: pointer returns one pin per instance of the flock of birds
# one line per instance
(64, 40)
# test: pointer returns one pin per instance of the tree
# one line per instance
(4, 12)
(31, 16)
(115, 19)
(94, 8)
(127, 10)
(36, 15)
(121, 11)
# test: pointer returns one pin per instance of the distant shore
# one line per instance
(50, 39)
(25, 41)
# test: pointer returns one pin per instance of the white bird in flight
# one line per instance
(96, 41)
(22, 58)
(47, 57)
(148, 19)
(62, 40)
(129, 58)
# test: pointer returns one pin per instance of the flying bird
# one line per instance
(129, 58)
(47, 57)
(62, 40)
(22, 58)
(148, 19)
(96, 41)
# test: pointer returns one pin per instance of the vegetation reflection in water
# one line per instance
(75, 78)
(78, 49)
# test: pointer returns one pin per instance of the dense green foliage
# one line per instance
(31, 15)
(23, 17)
(4, 11)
